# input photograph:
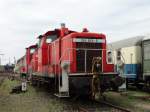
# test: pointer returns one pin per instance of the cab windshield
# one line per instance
(51, 38)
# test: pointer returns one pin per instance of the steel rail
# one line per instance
(114, 106)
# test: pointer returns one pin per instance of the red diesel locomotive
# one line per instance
(69, 61)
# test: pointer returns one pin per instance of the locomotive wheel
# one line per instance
(34, 82)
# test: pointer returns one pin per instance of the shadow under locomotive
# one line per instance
(83, 85)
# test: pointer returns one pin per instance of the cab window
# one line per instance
(48, 40)
(39, 42)
(32, 51)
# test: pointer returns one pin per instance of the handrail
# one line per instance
(123, 58)
(121, 53)
(68, 49)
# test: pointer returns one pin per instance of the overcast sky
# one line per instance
(21, 21)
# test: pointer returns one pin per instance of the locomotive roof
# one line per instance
(32, 46)
(22, 58)
(146, 37)
(134, 41)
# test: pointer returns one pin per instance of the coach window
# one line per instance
(118, 55)
(109, 57)
(146, 52)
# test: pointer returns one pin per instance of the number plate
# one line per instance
(89, 40)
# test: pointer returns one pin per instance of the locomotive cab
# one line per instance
(86, 50)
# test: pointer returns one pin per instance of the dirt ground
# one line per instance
(35, 100)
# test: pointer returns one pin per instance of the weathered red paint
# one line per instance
(48, 57)
(29, 58)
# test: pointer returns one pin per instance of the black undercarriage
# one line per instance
(81, 84)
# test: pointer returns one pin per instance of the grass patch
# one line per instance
(33, 100)
(7, 86)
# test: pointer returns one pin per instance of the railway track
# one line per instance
(92, 106)
(113, 108)
(4, 74)
(1, 80)
(2, 77)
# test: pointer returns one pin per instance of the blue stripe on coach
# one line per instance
(131, 70)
